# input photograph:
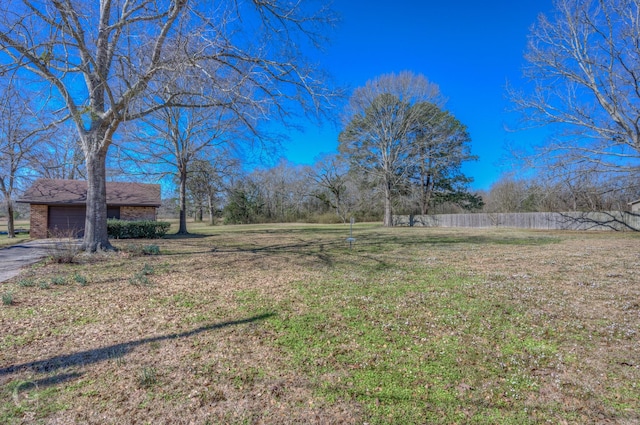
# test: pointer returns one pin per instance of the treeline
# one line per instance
(583, 192)
(328, 192)
(323, 193)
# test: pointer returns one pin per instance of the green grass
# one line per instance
(412, 345)
(5, 241)
(27, 394)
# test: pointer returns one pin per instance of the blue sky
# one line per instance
(470, 48)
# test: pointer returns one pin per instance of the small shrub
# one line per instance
(43, 285)
(132, 248)
(136, 249)
(80, 279)
(64, 252)
(66, 234)
(139, 279)
(148, 377)
(151, 250)
(147, 270)
(326, 218)
(7, 298)
(58, 280)
(26, 283)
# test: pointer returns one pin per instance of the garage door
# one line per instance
(66, 221)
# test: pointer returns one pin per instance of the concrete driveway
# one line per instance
(15, 257)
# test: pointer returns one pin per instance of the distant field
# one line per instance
(285, 324)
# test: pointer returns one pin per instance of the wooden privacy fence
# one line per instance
(604, 220)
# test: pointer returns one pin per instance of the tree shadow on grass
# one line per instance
(321, 250)
(186, 236)
(317, 249)
(330, 251)
(115, 351)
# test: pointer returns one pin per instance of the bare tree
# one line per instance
(60, 157)
(172, 137)
(106, 60)
(208, 179)
(284, 189)
(534, 194)
(331, 173)
(22, 133)
(509, 195)
(379, 124)
(289, 192)
(583, 66)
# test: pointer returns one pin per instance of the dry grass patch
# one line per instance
(286, 324)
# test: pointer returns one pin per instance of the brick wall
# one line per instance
(39, 221)
(40, 217)
(137, 213)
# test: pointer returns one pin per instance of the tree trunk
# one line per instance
(427, 190)
(388, 218)
(95, 227)
(11, 231)
(426, 181)
(183, 204)
(210, 206)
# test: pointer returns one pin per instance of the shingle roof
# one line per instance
(55, 191)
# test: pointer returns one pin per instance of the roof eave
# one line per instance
(41, 202)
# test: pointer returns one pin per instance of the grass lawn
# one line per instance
(285, 324)
(20, 237)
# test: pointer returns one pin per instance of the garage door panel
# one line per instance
(65, 221)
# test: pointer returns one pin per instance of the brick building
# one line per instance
(58, 207)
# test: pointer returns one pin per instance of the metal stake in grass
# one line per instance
(351, 239)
